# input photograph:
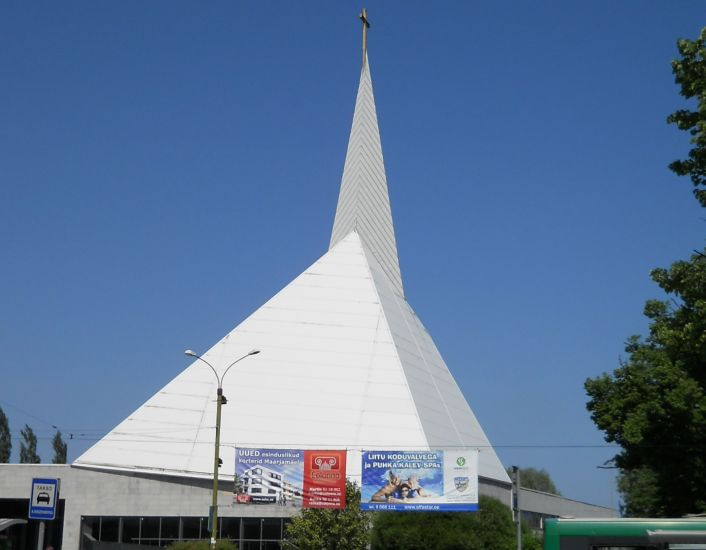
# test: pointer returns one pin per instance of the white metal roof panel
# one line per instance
(332, 380)
(323, 377)
(363, 202)
(446, 417)
(345, 362)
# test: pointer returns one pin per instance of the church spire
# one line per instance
(363, 201)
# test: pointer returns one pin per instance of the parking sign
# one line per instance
(45, 494)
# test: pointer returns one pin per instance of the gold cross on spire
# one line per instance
(366, 25)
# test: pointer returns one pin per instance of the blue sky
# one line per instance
(166, 167)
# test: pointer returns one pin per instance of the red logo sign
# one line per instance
(325, 479)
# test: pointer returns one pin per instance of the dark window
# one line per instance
(251, 529)
(194, 528)
(160, 531)
(110, 529)
(131, 530)
(229, 528)
(149, 533)
(169, 531)
(91, 526)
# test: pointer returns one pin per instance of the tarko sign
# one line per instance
(45, 494)
(291, 477)
(429, 481)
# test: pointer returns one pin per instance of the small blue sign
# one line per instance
(45, 494)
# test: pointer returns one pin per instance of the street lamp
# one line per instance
(220, 400)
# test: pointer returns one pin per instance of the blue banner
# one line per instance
(427, 481)
(269, 476)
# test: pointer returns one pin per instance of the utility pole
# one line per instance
(516, 504)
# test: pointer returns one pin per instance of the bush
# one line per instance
(490, 528)
(221, 544)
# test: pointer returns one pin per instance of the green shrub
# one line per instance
(221, 544)
(491, 528)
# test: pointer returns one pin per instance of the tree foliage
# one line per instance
(5, 439)
(221, 544)
(28, 447)
(346, 529)
(654, 404)
(491, 527)
(530, 541)
(60, 447)
(539, 480)
(690, 75)
(639, 490)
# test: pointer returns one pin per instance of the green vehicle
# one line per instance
(625, 534)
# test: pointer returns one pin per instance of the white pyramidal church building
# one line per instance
(345, 363)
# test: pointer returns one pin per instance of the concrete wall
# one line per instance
(550, 505)
(495, 489)
(95, 493)
(100, 493)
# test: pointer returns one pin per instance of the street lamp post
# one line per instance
(220, 400)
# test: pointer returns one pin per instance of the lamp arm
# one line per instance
(210, 365)
(220, 381)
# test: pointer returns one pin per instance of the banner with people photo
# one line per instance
(290, 477)
(437, 480)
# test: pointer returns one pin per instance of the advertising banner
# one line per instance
(290, 477)
(428, 481)
(324, 479)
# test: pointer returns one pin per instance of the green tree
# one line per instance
(639, 490)
(346, 529)
(60, 448)
(539, 480)
(690, 74)
(28, 447)
(490, 528)
(5, 439)
(654, 404)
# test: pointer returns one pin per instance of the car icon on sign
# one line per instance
(43, 497)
